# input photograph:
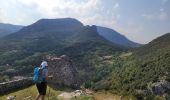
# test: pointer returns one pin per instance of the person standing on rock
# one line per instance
(42, 86)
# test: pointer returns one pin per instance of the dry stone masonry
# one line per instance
(14, 85)
(64, 72)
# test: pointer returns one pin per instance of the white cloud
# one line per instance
(133, 32)
(2, 16)
(55, 8)
(88, 11)
(148, 16)
(29, 11)
(99, 20)
(118, 16)
(116, 5)
(161, 15)
(163, 1)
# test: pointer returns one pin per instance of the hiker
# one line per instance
(42, 86)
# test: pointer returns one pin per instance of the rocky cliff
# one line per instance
(160, 88)
(63, 71)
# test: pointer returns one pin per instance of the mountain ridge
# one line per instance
(50, 25)
(6, 29)
(116, 37)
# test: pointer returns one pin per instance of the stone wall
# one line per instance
(64, 72)
(15, 85)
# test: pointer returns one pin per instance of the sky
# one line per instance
(139, 20)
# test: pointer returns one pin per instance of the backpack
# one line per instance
(38, 78)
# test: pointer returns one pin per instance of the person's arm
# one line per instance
(46, 76)
(50, 77)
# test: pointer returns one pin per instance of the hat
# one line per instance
(44, 64)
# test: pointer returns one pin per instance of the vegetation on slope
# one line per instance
(135, 71)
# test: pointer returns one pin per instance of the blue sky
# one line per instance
(139, 20)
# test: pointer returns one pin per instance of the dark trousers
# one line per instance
(42, 87)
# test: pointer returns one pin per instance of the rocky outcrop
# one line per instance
(63, 71)
(14, 85)
(74, 94)
(161, 88)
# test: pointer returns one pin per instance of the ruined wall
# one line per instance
(63, 71)
(14, 85)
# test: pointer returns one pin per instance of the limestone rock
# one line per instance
(76, 93)
(63, 71)
(15, 84)
(11, 98)
(159, 88)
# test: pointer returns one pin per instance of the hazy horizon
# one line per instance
(140, 21)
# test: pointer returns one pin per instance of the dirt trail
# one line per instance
(106, 96)
(66, 95)
(97, 96)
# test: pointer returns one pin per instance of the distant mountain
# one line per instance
(116, 37)
(42, 35)
(6, 29)
(62, 25)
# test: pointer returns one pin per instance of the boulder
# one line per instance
(159, 88)
(63, 71)
(11, 98)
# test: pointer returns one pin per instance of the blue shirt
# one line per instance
(45, 73)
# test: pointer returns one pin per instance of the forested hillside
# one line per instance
(140, 69)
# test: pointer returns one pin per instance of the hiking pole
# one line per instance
(49, 90)
(48, 93)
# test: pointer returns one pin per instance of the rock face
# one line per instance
(63, 71)
(160, 88)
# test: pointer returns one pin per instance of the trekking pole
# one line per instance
(49, 90)
(48, 93)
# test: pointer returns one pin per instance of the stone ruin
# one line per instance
(6, 87)
(63, 71)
